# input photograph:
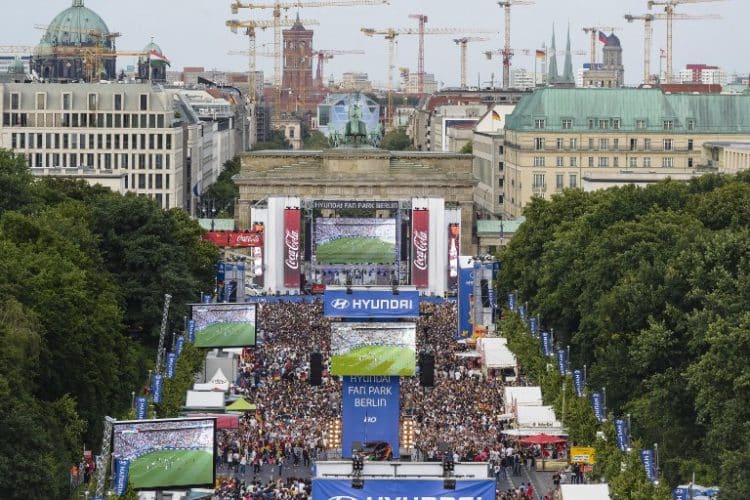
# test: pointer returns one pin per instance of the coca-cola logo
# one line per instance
(420, 240)
(291, 242)
(248, 238)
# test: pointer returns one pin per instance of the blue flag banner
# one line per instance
(191, 331)
(169, 368)
(597, 403)
(206, 298)
(680, 494)
(370, 412)
(512, 301)
(179, 344)
(534, 326)
(578, 382)
(156, 387)
(562, 361)
(647, 457)
(221, 271)
(621, 432)
(341, 489)
(122, 469)
(522, 311)
(546, 343)
(492, 297)
(465, 301)
(141, 405)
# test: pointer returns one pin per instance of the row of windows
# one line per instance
(20, 140)
(97, 120)
(604, 161)
(67, 100)
(106, 161)
(603, 143)
(539, 182)
(539, 161)
(612, 123)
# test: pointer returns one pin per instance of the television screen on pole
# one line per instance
(166, 453)
(373, 349)
(224, 325)
(355, 240)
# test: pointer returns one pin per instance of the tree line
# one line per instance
(83, 272)
(649, 288)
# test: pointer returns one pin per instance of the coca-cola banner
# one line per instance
(292, 247)
(420, 242)
(454, 249)
(235, 239)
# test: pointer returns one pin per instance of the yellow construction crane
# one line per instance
(463, 44)
(507, 51)
(593, 31)
(648, 35)
(92, 54)
(669, 6)
(277, 7)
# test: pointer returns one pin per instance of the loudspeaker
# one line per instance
(316, 368)
(426, 369)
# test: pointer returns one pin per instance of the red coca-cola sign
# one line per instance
(420, 242)
(235, 239)
(292, 247)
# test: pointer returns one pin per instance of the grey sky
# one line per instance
(192, 32)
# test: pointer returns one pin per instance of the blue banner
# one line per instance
(522, 311)
(562, 361)
(141, 406)
(341, 489)
(370, 412)
(534, 326)
(191, 331)
(597, 403)
(367, 304)
(122, 469)
(578, 382)
(546, 344)
(492, 297)
(680, 494)
(179, 344)
(206, 298)
(621, 433)
(512, 301)
(647, 457)
(169, 368)
(156, 386)
(465, 299)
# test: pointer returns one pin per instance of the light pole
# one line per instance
(656, 460)
(629, 447)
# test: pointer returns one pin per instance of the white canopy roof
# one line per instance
(536, 416)
(584, 491)
(526, 396)
(219, 380)
(495, 352)
(204, 399)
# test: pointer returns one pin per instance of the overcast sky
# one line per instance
(192, 32)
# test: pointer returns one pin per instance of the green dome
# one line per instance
(152, 46)
(17, 67)
(71, 27)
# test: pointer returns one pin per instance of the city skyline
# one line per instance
(195, 34)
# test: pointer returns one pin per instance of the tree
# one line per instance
(467, 148)
(316, 140)
(15, 181)
(277, 140)
(224, 191)
(396, 140)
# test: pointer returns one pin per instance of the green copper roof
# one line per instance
(496, 227)
(71, 27)
(708, 113)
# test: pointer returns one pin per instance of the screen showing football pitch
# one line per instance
(373, 349)
(224, 325)
(166, 453)
(355, 240)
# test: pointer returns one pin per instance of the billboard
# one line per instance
(354, 240)
(341, 489)
(370, 415)
(583, 455)
(371, 304)
(224, 325)
(292, 247)
(166, 453)
(420, 242)
(465, 299)
(235, 239)
(454, 249)
(373, 349)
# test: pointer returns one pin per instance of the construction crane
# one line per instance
(277, 7)
(594, 31)
(327, 55)
(507, 51)
(90, 54)
(648, 35)
(422, 20)
(669, 6)
(463, 46)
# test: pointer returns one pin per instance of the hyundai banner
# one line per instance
(621, 434)
(534, 326)
(578, 382)
(169, 367)
(680, 494)
(370, 412)
(141, 405)
(420, 242)
(597, 403)
(371, 304)
(454, 249)
(191, 331)
(156, 387)
(179, 343)
(512, 301)
(562, 361)
(292, 248)
(546, 344)
(465, 299)
(647, 457)
(122, 469)
(206, 298)
(412, 489)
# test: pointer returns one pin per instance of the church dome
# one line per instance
(152, 47)
(73, 25)
(613, 41)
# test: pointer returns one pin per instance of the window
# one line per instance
(616, 123)
(573, 180)
(668, 124)
(647, 162)
(592, 123)
(604, 144)
(560, 143)
(647, 144)
(500, 150)
(559, 181)
(15, 101)
(667, 162)
(591, 161)
(604, 124)
(640, 124)
(92, 102)
(567, 124)
(67, 101)
(573, 144)
(560, 161)
(633, 144)
(41, 101)
(141, 181)
(143, 103)
(539, 143)
(591, 143)
(690, 144)
(691, 124)
(615, 161)
(539, 161)
(616, 144)
(690, 163)
(633, 162)
(573, 161)
(538, 182)
(118, 102)
(501, 166)
(539, 123)
(603, 161)
(667, 144)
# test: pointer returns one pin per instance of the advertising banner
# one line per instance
(578, 382)
(292, 247)
(583, 455)
(546, 344)
(420, 242)
(341, 489)
(191, 331)
(647, 457)
(170, 364)
(370, 415)
(221, 268)
(141, 406)
(534, 326)
(522, 311)
(122, 469)
(680, 494)
(454, 250)
(258, 266)
(621, 433)
(235, 239)
(562, 361)
(371, 304)
(597, 403)
(512, 301)
(465, 302)
(206, 298)
(179, 343)
(156, 387)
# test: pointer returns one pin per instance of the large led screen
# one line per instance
(355, 240)
(373, 349)
(224, 325)
(166, 453)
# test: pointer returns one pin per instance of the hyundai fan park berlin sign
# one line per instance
(403, 489)
(371, 304)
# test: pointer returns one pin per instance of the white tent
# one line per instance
(219, 380)
(204, 400)
(521, 396)
(536, 416)
(495, 353)
(584, 492)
